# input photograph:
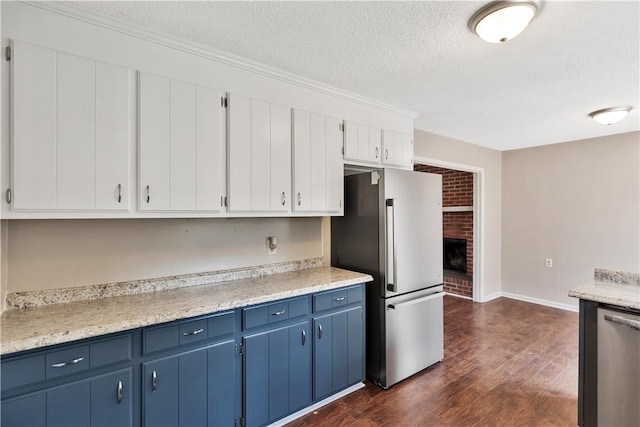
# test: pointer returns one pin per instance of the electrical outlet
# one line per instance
(548, 263)
(272, 245)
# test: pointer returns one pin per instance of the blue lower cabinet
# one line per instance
(277, 373)
(194, 388)
(338, 351)
(25, 411)
(100, 401)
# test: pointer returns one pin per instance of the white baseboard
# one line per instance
(458, 296)
(491, 297)
(539, 301)
(320, 404)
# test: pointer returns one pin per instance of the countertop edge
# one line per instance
(45, 340)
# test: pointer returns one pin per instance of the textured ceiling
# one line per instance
(575, 57)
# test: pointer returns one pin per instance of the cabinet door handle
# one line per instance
(154, 381)
(194, 332)
(284, 198)
(304, 337)
(148, 194)
(299, 199)
(278, 313)
(386, 154)
(377, 152)
(70, 362)
(119, 193)
(119, 392)
(319, 332)
(339, 299)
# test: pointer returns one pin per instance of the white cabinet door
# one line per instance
(318, 167)
(259, 155)
(180, 126)
(71, 132)
(317, 148)
(334, 164)
(280, 158)
(352, 139)
(114, 87)
(397, 149)
(375, 144)
(361, 143)
(154, 142)
(301, 160)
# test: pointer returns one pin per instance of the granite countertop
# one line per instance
(29, 328)
(611, 287)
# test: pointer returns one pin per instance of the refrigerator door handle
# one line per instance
(416, 301)
(391, 247)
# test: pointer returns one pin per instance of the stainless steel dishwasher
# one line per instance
(618, 368)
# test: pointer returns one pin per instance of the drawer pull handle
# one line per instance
(339, 299)
(319, 332)
(119, 392)
(194, 332)
(70, 362)
(304, 337)
(278, 313)
(154, 381)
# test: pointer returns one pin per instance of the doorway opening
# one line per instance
(462, 225)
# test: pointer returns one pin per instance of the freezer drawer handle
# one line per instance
(416, 301)
(633, 324)
(391, 247)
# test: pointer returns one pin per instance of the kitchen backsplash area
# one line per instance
(51, 254)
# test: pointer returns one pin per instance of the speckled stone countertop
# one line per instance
(29, 328)
(611, 287)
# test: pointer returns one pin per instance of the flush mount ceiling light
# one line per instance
(501, 21)
(611, 115)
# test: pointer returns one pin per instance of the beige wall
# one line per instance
(577, 203)
(46, 254)
(428, 145)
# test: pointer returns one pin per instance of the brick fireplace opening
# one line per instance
(457, 222)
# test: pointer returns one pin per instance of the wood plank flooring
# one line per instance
(506, 363)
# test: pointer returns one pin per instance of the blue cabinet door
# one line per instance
(277, 372)
(300, 366)
(69, 405)
(194, 388)
(160, 392)
(355, 352)
(222, 384)
(323, 356)
(338, 351)
(27, 411)
(112, 400)
(256, 379)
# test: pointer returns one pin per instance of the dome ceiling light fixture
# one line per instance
(501, 21)
(611, 115)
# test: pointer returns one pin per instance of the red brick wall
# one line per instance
(457, 190)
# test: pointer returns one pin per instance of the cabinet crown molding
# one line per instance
(213, 54)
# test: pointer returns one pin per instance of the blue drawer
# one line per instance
(274, 312)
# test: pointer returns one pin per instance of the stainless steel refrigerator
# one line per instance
(392, 229)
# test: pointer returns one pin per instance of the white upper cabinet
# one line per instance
(318, 163)
(361, 144)
(71, 133)
(180, 146)
(397, 149)
(259, 156)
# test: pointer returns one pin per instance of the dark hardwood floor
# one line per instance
(506, 363)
